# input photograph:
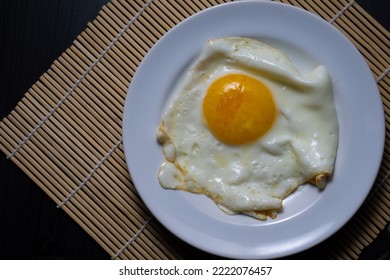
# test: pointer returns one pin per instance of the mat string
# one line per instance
(133, 238)
(91, 173)
(342, 11)
(384, 74)
(65, 97)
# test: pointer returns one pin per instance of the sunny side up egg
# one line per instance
(246, 128)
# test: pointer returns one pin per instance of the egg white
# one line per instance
(253, 178)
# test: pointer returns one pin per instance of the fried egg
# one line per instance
(246, 128)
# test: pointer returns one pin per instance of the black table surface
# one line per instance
(32, 35)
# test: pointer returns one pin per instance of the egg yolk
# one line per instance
(238, 109)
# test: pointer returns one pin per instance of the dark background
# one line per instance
(33, 33)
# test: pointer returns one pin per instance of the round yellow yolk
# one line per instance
(238, 109)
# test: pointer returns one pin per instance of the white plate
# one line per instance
(309, 216)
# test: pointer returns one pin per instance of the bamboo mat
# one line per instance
(66, 132)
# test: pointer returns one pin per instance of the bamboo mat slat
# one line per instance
(65, 134)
